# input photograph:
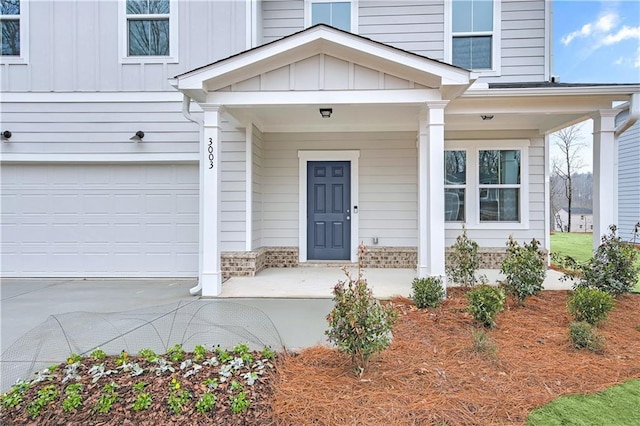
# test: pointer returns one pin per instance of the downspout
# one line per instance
(186, 111)
(634, 113)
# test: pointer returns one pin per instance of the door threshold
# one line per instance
(326, 263)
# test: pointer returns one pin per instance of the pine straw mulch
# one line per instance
(430, 375)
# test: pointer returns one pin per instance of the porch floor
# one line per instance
(318, 282)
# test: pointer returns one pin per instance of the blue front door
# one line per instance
(328, 210)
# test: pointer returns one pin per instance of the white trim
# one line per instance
(620, 90)
(547, 197)
(23, 17)
(91, 97)
(248, 177)
(123, 38)
(472, 212)
(306, 156)
(8, 157)
(354, 12)
(496, 39)
(548, 35)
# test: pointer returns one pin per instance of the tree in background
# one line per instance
(569, 141)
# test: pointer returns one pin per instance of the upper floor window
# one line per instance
(475, 36)
(338, 14)
(13, 30)
(150, 33)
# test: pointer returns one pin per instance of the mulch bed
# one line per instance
(430, 375)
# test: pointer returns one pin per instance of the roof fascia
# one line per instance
(627, 90)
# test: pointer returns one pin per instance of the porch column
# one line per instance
(431, 243)
(605, 174)
(209, 257)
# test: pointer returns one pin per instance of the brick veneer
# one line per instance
(248, 264)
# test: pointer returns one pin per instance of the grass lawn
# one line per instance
(619, 405)
(578, 246)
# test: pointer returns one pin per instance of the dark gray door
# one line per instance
(328, 210)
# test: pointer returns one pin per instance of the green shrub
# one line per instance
(464, 260)
(590, 305)
(525, 269)
(611, 269)
(485, 302)
(584, 336)
(427, 292)
(358, 324)
(176, 353)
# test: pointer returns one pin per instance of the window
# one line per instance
(474, 34)
(499, 185)
(338, 14)
(150, 33)
(13, 30)
(455, 181)
(484, 184)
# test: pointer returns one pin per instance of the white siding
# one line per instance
(629, 181)
(281, 18)
(73, 46)
(100, 128)
(233, 190)
(388, 189)
(256, 187)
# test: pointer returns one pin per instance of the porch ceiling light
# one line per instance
(138, 136)
(326, 112)
(486, 117)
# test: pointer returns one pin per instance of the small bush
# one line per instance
(525, 269)
(590, 305)
(482, 342)
(611, 269)
(427, 292)
(584, 336)
(358, 324)
(464, 260)
(485, 303)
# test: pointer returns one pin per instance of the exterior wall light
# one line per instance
(326, 112)
(138, 136)
(6, 135)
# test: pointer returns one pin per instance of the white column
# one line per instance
(605, 174)
(209, 257)
(431, 243)
(248, 187)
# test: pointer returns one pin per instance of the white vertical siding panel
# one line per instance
(63, 45)
(107, 54)
(233, 189)
(256, 187)
(86, 46)
(629, 181)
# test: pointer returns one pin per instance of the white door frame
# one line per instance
(304, 157)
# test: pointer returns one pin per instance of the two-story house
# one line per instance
(213, 138)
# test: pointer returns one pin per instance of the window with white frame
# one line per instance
(455, 185)
(474, 34)
(484, 184)
(338, 14)
(13, 30)
(150, 30)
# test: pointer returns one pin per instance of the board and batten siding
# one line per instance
(629, 182)
(233, 194)
(256, 188)
(387, 190)
(73, 46)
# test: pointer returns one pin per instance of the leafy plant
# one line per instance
(482, 343)
(206, 403)
(239, 403)
(142, 402)
(242, 350)
(211, 383)
(139, 387)
(485, 302)
(99, 371)
(123, 358)
(584, 336)
(525, 268)
(73, 399)
(427, 292)
(15, 395)
(46, 395)
(177, 399)
(590, 305)
(223, 355)
(176, 353)
(464, 260)
(108, 397)
(611, 269)
(267, 353)
(147, 354)
(235, 386)
(358, 324)
(71, 372)
(163, 366)
(98, 354)
(199, 353)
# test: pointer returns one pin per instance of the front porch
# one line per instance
(313, 282)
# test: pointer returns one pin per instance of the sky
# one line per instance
(595, 42)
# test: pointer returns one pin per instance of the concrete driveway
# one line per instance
(26, 303)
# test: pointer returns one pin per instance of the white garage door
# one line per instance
(99, 220)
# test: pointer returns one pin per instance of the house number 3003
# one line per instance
(210, 150)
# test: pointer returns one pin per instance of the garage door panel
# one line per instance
(100, 220)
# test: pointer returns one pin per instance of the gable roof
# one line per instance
(449, 79)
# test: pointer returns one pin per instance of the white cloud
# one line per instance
(623, 33)
(603, 24)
